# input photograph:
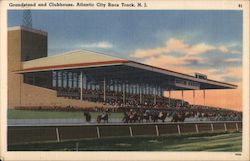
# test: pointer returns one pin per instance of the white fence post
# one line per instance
(179, 129)
(57, 135)
(130, 131)
(225, 126)
(197, 129)
(157, 130)
(237, 127)
(98, 132)
(77, 146)
(212, 127)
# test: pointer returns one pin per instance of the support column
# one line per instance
(67, 79)
(77, 80)
(81, 86)
(116, 87)
(63, 79)
(140, 90)
(193, 97)
(182, 97)
(123, 93)
(58, 78)
(162, 92)
(204, 97)
(154, 92)
(33, 78)
(169, 100)
(72, 79)
(85, 82)
(104, 89)
(56, 81)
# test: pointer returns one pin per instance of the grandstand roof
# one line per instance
(69, 60)
(103, 65)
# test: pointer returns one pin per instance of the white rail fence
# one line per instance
(33, 134)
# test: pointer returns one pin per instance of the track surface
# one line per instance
(58, 122)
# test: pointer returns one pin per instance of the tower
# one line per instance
(24, 44)
(27, 19)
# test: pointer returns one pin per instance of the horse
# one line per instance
(140, 116)
(125, 118)
(178, 116)
(104, 117)
(132, 118)
(162, 116)
(146, 117)
(154, 116)
(87, 116)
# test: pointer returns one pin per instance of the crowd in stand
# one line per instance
(116, 99)
(143, 102)
(218, 115)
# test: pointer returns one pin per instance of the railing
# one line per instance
(32, 134)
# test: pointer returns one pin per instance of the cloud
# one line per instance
(219, 62)
(236, 52)
(231, 79)
(101, 44)
(227, 73)
(180, 46)
(223, 49)
(173, 63)
(199, 49)
(164, 61)
(234, 71)
(233, 60)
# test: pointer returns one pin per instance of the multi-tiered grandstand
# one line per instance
(89, 79)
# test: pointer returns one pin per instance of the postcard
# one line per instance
(124, 80)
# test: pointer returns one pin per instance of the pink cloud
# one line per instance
(180, 46)
(162, 57)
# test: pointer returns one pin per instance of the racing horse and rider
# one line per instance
(178, 116)
(156, 115)
(133, 116)
(138, 116)
(104, 116)
(87, 116)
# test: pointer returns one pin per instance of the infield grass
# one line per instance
(226, 142)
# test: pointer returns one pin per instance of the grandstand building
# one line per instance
(88, 79)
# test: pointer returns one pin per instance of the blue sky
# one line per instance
(205, 41)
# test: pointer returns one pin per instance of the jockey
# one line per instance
(130, 113)
(104, 113)
(146, 113)
(174, 114)
(160, 114)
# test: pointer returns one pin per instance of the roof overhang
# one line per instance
(204, 82)
(72, 66)
(121, 69)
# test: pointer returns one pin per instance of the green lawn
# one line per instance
(229, 142)
(29, 114)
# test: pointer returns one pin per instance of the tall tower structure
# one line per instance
(24, 44)
(27, 18)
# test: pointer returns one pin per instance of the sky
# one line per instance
(187, 41)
